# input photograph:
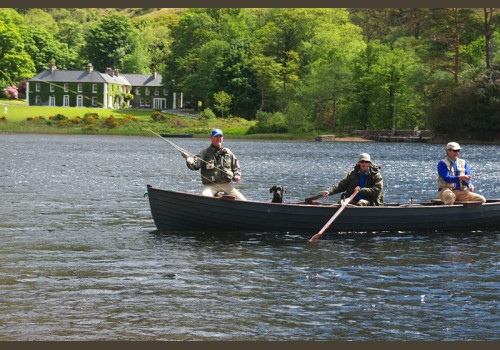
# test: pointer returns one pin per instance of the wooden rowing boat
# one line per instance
(180, 211)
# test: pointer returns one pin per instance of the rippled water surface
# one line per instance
(80, 258)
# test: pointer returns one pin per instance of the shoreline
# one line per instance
(272, 137)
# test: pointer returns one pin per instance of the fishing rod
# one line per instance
(485, 174)
(180, 149)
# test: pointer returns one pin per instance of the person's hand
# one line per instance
(357, 188)
(465, 177)
(185, 155)
(237, 178)
(471, 187)
(325, 193)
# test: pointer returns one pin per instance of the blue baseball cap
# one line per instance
(216, 132)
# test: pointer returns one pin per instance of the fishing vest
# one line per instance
(461, 171)
(215, 160)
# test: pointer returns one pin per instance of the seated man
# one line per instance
(454, 180)
(366, 178)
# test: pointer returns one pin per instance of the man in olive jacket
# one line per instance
(219, 166)
(366, 178)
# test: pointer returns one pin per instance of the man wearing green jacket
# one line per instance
(219, 166)
(366, 178)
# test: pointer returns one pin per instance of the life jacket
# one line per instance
(461, 171)
(215, 160)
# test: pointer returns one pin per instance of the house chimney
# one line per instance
(52, 67)
(109, 71)
(90, 68)
(116, 72)
(154, 73)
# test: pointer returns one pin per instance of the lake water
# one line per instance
(80, 258)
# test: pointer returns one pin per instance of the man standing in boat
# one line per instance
(454, 180)
(218, 167)
(366, 178)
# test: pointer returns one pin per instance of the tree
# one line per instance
(266, 70)
(44, 49)
(15, 63)
(108, 42)
(445, 39)
(193, 30)
(222, 102)
(490, 24)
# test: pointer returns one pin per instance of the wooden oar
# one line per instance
(310, 199)
(316, 237)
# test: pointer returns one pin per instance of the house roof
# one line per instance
(81, 76)
(143, 79)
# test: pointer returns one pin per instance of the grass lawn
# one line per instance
(19, 112)
(15, 116)
(20, 118)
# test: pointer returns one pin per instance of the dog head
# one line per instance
(277, 192)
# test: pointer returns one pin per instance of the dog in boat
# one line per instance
(277, 192)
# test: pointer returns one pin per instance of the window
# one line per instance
(141, 103)
(79, 100)
(148, 103)
(38, 101)
(138, 91)
(52, 101)
(157, 93)
(94, 88)
(147, 91)
(52, 88)
(37, 88)
(66, 87)
(80, 89)
(94, 101)
(66, 101)
(165, 93)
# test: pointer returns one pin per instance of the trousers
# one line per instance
(449, 196)
(210, 190)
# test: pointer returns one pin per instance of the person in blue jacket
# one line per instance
(454, 179)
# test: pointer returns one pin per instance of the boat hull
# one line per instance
(179, 211)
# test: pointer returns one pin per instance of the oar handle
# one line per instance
(332, 219)
(310, 199)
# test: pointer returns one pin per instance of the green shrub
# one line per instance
(158, 116)
(110, 122)
(58, 117)
(207, 114)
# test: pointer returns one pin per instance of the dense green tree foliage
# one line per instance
(289, 68)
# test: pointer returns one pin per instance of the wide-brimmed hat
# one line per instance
(365, 157)
(216, 132)
(453, 146)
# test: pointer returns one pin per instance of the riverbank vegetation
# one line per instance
(16, 118)
(278, 71)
